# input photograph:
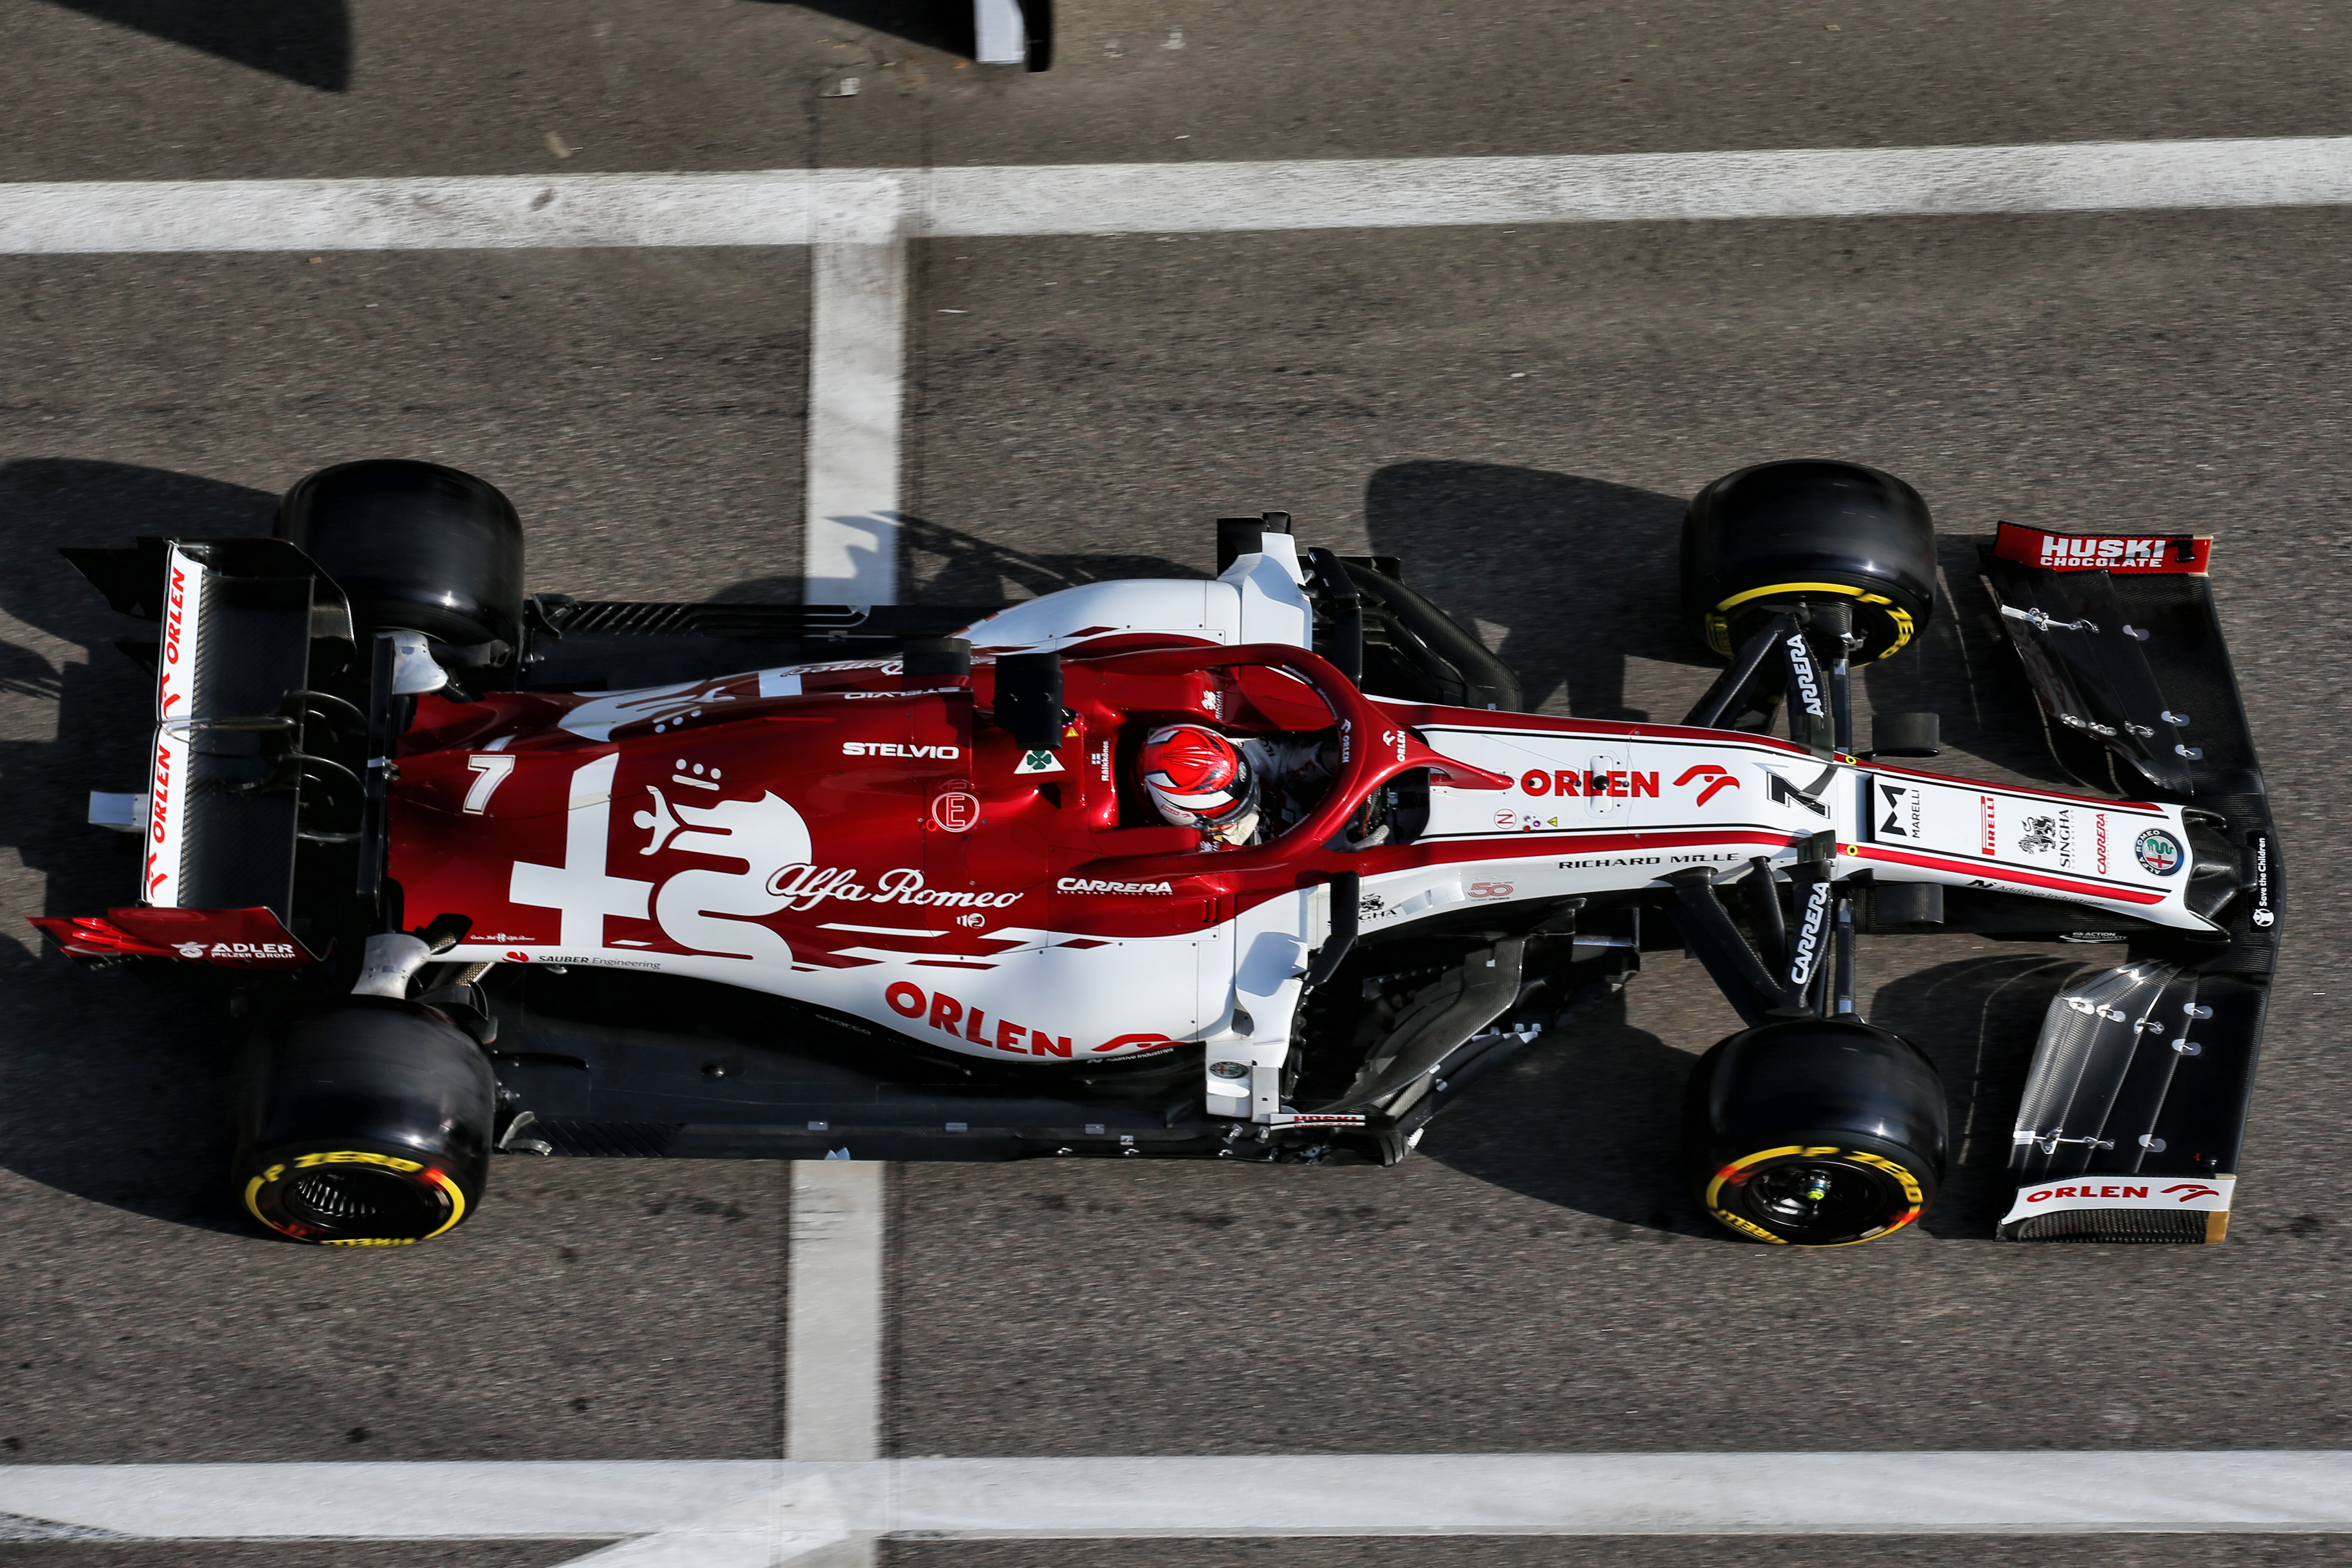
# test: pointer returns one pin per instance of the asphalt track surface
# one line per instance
(1520, 413)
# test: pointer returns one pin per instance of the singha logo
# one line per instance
(2040, 835)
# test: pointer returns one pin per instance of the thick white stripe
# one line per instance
(833, 1341)
(586, 1500)
(749, 1507)
(1799, 183)
(790, 206)
(427, 214)
(857, 315)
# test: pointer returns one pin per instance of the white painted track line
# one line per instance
(833, 1405)
(736, 1510)
(490, 212)
(786, 1526)
(833, 1336)
(589, 1499)
(858, 316)
(790, 206)
(1157, 198)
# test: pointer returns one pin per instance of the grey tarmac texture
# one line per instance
(1520, 414)
(380, 86)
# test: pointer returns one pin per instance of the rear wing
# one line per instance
(253, 769)
(2134, 1106)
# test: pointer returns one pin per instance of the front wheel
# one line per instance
(1809, 530)
(1815, 1132)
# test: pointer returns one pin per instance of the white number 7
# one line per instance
(493, 768)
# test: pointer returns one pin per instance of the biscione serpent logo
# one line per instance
(2159, 851)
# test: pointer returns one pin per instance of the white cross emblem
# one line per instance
(580, 887)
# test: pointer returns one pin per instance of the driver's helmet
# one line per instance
(1196, 777)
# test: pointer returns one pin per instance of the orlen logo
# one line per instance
(1592, 784)
(891, 749)
(2179, 1192)
(172, 621)
(959, 1021)
(1712, 780)
(159, 792)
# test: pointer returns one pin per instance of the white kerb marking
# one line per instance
(857, 313)
(737, 1508)
(792, 207)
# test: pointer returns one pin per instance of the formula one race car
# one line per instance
(489, 872)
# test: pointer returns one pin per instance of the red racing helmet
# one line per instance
(1196, 777)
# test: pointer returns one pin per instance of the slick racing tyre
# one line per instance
(1809, 529)
(416, 546)
(363, 1122)
(1815, 1132)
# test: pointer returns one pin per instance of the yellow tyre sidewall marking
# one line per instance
(449, 1189)
(1912, 1190)
(1718, 628)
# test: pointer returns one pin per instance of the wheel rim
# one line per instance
(1815, 1196)
(351, 1198)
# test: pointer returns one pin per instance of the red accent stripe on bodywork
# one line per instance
(2001, 873)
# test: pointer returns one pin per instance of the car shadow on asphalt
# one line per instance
(1593, 1121)
(1574, 575)
(1977, 1018)
(1963, 669)
(942, 25)
(304, 41)
(112, 1090)
(940, 565)
(1590, 1120)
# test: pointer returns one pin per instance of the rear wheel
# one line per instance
(1816, 1132)
(364, 1122)
(1809, 529)
(339, 1195)
(416, 547)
